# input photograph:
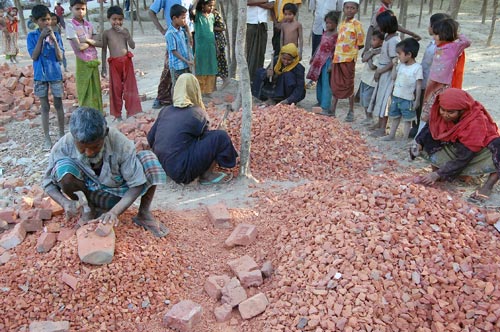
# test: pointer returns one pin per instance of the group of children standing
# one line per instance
(393, 85)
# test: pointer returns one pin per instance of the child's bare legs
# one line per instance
(380, 129)
(334, 105)
(60, 115)
(406, 129)
(394, 127)
(350, 114)
(45, 108)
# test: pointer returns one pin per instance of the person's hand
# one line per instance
(415, 149)
(104, 72)
(376, 76)
(109, 218)
(283, 102)
(190, 62)
(71, 209)
(45, 32)
(163, 31)
(416, 105)
(428, 179)
(416, 37)
(270, 72)
(376, 51)
(395, 61)
(52, 36)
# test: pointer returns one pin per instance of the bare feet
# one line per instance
(47, 145)
(148, 221)
(387, 138)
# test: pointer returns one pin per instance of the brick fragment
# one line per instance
(223, 313)
(233, 293)
(9, 215)
(95, 249)
(253, 306)
(65, 234)
(49, 326)
(43, 214)
(219, 216)
(267, 269)
(242, 235)
(183, 316)
(214, 284)
(49, 203)
(52, 227)
(243, 264)
(5, 258)
(13, 183)
(3, 225)
(316, 109)
(32, 225)
(14, 237)
(45, 242)
(70, 280)
(251, 278)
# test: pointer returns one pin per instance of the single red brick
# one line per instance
(183, 316)
(214, 284)
(250, 278)
(9, 215)
(65, 234)
(44, 214)
(45, 242)
(53, 227)
(13, 238)
(219, 216)
(233, 293)
(223, 313)
(242, 235)
(253, 306)
(32, 225)
(70, 280)
(243, 264)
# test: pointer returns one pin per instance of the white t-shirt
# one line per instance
(257, 15)
(321, 8)
(406, 80)
(368, 74)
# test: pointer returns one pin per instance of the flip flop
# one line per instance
(477, 198)
(222, 178)
(158, 230)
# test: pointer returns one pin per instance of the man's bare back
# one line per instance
(291, 32)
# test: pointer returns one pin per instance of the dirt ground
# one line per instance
(162, 272)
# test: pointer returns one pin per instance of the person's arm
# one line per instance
(409, 33)
(282, 37)
(394, 70)
(59, 53)
(70, 207)
(128, 38)
(418, 92)
(111, 217)
(37, 49)
(180, 57)
(382, 70)
(299, 90)
(152, 132)
(256, 2)
(463, 42)
(368, 39)
(156, 22)
(104, 51)
(301, 40)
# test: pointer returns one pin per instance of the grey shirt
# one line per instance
(120, 163)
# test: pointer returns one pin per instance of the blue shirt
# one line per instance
(46, 68)
(177, 40)
(167, 4)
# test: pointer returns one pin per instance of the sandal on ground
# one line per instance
(155, 227)
(478, 198)
(327, 113)
(349, 117)
(221, 179)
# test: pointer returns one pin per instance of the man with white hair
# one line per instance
(103, 164)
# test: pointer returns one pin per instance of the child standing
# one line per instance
(291, 30)
(11, 34)
(407, 78)
(447, 67)
(321, 64)
(179, 54)
(56, 27)
(205, 57)
(350, 40)
(122, 83)
(80, 34)
(60, 13)
(381, 98)
(371, 60)
(220, 42)
(45, 48)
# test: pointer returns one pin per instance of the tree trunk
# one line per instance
(365, 7)
(17, 3)
(454, 8)
(138, 10)
(420, 13)
(431, 6)
(234, 30)
(145, 5)
(484, 11)
(223, 13)
(493, 22)
(131, 19)
(101, 16)
(244, 92)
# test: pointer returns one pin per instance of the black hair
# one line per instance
(115, 10)
(438, 17)
(291, 7)
(177, 10)
(332, 16)
(355, 3)
(77, 2)
(379, 34)
(387, 22)
(39, 11)
(409, 45)
(201, 3)
(446, 29)
(52, 14)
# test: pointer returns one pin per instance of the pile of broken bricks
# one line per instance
(232, 293)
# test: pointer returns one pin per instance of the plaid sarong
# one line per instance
(106, 197)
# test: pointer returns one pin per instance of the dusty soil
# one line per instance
(307, 227)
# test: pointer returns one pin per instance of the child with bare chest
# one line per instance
(122, 83)
(291, 29)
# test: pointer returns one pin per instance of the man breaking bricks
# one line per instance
(103, 164)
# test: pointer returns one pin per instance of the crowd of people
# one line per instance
(450, 127)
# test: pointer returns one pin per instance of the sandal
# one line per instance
(477, 198)
(222, 178)
(155, 227)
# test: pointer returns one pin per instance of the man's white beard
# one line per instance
(94, 160)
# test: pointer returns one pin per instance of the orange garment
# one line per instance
(123, 86)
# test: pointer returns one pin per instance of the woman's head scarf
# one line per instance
(292, 50)
(475, 128)
(187, 92)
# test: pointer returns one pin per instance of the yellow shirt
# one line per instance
(278, 7)
(351, 37)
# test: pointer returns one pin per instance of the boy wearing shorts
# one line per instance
(46, 49)
(407, 78)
